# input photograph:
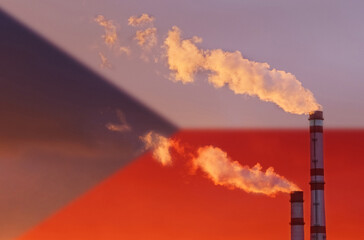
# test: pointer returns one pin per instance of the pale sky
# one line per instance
(320, 42)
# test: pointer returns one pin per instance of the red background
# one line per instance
(147, 201)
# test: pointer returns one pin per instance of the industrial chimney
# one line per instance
(297, 230)
(318, 226)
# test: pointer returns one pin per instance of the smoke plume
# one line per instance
(161, 147)
(110, 36)
(143, 19)
(218, 167)
(231, 69)
(223, 171)
(123, 126)
(147, 38)
(241, 75)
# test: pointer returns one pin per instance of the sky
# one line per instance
(77, 110)
(319, 42)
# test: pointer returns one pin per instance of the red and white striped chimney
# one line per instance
(318, 225)
(297, 230)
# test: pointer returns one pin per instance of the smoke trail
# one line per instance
(110, 36)
(219, 167)
(161, 147)
(222, 171)
(136, 21)
(123, 126)
(241, 75)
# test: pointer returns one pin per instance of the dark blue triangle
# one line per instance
(53, 141)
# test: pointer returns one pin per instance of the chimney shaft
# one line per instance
(297, 230)
(318, 225)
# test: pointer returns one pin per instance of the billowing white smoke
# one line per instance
(224, 68)
(223, 171)
(219, 168)
(241, 75)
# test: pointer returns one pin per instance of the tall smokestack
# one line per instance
(318, 225)
(297, 231)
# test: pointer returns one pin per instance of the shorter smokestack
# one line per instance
(297, 231)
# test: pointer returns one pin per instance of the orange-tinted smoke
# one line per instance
(241, 75)
(146, 38)
(219, 168)
(110, 37)
(161, 147)
(136, 21)
(225, 172)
